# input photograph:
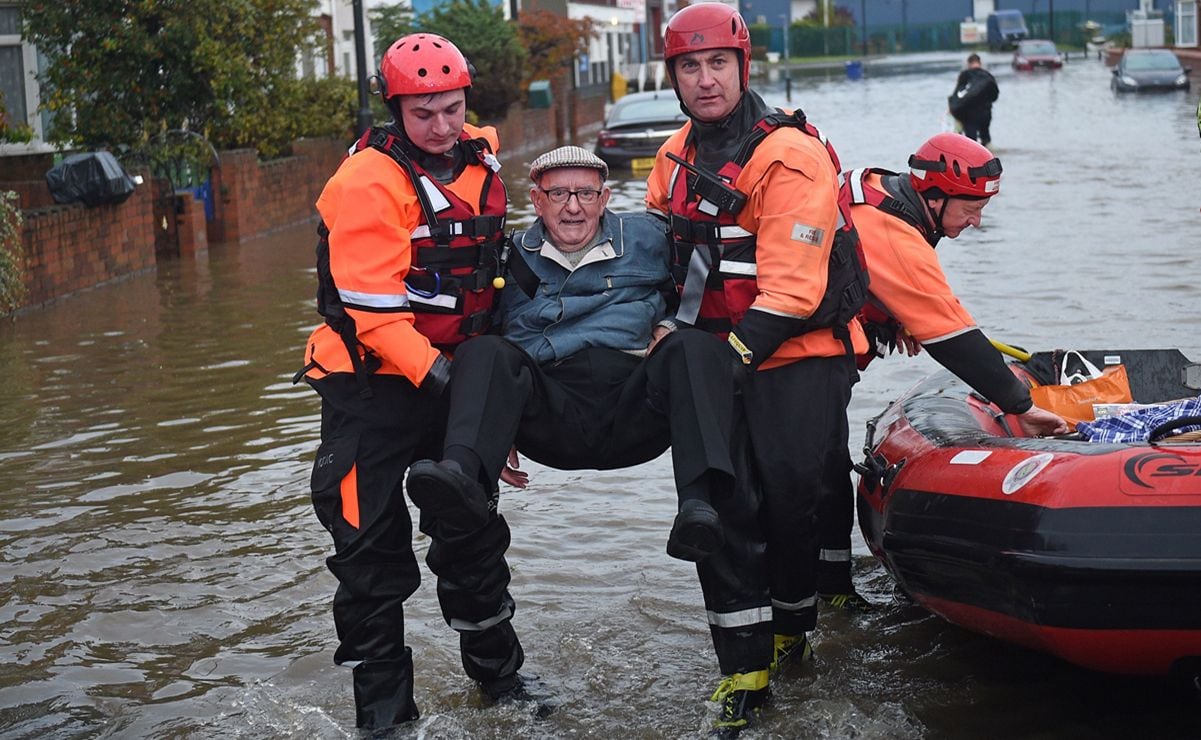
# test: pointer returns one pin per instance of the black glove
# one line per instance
(881, 338)
(438, 377)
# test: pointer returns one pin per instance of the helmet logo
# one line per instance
(697, 38)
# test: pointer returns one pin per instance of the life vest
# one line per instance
(709, 244)
(455, 253)
(897, 198)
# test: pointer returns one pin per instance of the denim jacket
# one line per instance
(612, 299)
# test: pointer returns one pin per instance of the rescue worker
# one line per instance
(971, 101)
(570, 382)
(767, 259)
(410, 230)
(900, 219)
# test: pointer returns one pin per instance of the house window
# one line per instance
(12, 66)
(1186, 23)
(18, 68)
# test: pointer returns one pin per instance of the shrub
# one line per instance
(12, 254)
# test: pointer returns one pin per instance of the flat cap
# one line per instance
(567, 156)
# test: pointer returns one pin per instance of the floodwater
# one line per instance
(162, 571)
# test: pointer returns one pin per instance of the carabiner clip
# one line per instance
(426, 294)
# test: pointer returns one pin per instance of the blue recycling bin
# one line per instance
(854, 70)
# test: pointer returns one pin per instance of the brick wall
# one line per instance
(253, 197)
(69, 247)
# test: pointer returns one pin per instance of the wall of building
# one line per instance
(70, 247)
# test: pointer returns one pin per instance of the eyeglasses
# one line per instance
(584, 197)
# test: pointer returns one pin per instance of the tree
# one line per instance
(389, 22)
(123, 70)
(552, 42)
(490, 43)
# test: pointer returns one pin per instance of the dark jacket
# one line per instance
(975, 92)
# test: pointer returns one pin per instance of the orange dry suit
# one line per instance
(910, 290)
(742, 246)
(413, 260)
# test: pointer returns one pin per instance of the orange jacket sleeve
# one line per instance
(370, 208)
(793, 211)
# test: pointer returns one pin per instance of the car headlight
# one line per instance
(1182, 79)
(1130, 81)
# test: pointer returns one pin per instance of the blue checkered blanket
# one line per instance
(1136, 426)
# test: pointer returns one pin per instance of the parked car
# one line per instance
(1005, 29)
(637, 126)
(1035, 54)
(1149, 69)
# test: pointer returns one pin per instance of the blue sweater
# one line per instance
(612, 298)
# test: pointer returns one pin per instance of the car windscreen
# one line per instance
(1149, 62)
(654, 109)
(1045, 48)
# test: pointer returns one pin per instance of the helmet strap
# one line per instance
(938, 230)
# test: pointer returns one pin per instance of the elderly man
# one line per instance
(572, 384)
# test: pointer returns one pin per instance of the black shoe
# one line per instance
(696, 533)
(741, 696)
(520, 688)
(443, 492)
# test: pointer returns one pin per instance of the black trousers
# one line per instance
(605, 409)
(358, 494)
(797, 419)
(975, 126)
(835, 521)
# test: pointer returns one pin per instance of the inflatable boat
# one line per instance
(1088, 551)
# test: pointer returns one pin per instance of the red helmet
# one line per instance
(707, 25)
(955, 166)
(422, 63)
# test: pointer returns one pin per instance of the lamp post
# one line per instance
(787, 76)
(363, 121)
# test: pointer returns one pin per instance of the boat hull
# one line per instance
(1088, 552)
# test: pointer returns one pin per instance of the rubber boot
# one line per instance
(383, 693)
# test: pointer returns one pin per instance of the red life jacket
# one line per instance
(710, 246)
(455, 252)
(897, 198)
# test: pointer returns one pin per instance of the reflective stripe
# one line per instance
(857, 195)
(694, 286)
(423, 231)
(732, 232)
(462, 625)
(809, 603)
(945, 337)
(441, 300)
(374, 300)
(438, 201)
(835, 556)
(730, 267)
(743, 618)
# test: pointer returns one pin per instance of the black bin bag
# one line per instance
(94, 179)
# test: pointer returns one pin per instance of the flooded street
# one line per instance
(163, 572)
